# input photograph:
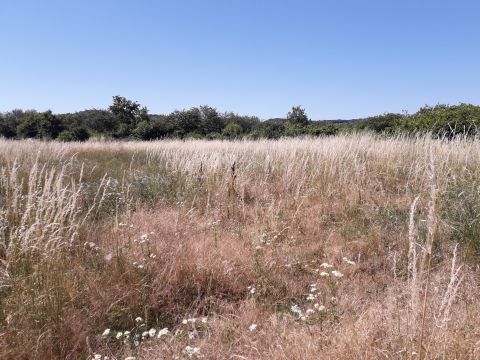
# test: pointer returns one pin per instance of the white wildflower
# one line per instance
(324, 274)
(311, 297)
(145, 334)
(138, 319)
(350, 262)
(189, 320)
(143, 238)
(296, 310)
(319, 307)
(192, 334)
(162, 332)
(252, 289)
(333, 300)
(337, 273)
(106, 332)
(326, 265)
(192, 351)
(252, 327)
(152, 332)
(97, 357)
(119, 335)
(204, 320)
(309, 311)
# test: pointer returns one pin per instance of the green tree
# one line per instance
(298, 116)
(271, 129)
(232, 131)
(186, 122)
(129, 113)
(40, 125)
(211, 120)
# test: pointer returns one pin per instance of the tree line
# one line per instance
(127, 119)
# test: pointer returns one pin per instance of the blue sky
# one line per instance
(337, 58)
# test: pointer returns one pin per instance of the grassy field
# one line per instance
(348, 247)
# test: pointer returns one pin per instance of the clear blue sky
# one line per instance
(337, 58)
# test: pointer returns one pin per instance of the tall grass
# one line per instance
(96, 235)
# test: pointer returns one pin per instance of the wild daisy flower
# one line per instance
(119, 335)
(152, 332)
(252, 327)
(138, 319)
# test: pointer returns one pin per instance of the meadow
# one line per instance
(347, 247)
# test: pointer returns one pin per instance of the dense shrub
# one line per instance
(78, 133)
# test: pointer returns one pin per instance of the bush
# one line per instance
(75, 134)
(232, 131)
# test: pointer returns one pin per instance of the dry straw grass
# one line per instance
(344, 247)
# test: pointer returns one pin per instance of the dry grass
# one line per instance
(96, 235)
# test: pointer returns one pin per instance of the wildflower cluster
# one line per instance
(192, 352)
(317, 308)
(137, 335)
(194, 326)
(101, 357)
(327, 270)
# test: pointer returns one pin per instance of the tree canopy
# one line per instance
(127, 119)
